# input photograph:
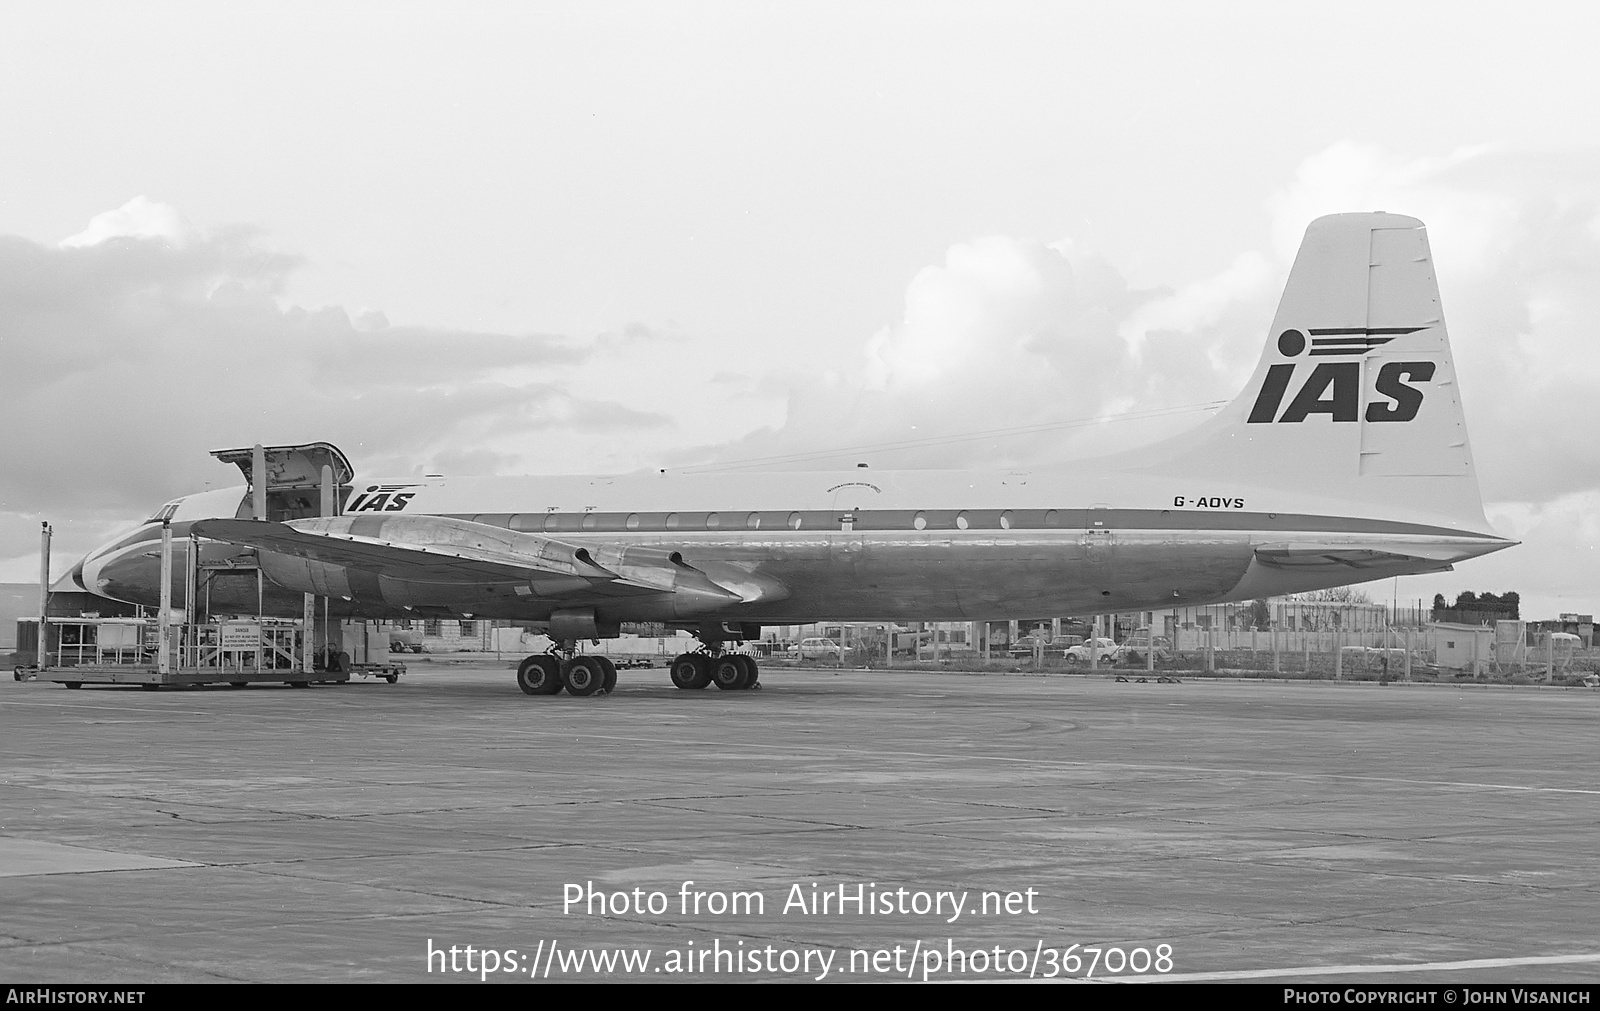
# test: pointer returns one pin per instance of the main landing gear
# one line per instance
(731, 672)
(548, 673)
(579, 674)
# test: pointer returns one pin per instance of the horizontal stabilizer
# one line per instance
(1352, 556)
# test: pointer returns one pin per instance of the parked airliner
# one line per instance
(1345, 459)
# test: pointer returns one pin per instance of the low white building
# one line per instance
(1461, 647)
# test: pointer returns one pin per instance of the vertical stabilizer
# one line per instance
(1355, 397)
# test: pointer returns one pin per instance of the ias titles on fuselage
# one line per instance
(382, 498)
(1334, 388)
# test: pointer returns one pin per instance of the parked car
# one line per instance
(1105, 650)
(405, 640)
(816, 649)
(1024, 646)
(1134, 648)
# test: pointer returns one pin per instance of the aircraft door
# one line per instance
(1099, 543)
(293, 479)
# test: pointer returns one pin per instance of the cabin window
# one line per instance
(672, 521)
(1005, 520)
(920, 521)
(633, 521)
(794, 521)
(591, 521)
(961, 521)
(713, 521)
(753, 521)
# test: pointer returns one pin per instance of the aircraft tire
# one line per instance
(611, 674)
(391, 678)
(69, 684)
(539, 675)
(752, 672)
(691, 671)
(729, 674)
(583, 675)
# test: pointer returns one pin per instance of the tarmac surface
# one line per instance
(1280, 832)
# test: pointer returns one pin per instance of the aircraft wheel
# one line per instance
(610, 684)
(729, 674)
(69, 684)
(539, 675)
(391, 678)
(690, 671)
(752, 672)
(583, 675)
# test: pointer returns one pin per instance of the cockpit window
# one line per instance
(165, 512)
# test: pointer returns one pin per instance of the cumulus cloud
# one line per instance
(139, 218)
(1039, 340)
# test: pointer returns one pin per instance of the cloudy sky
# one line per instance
(558, 238)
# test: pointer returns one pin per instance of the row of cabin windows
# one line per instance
(921, 520)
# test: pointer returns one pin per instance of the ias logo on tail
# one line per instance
(1334, 387)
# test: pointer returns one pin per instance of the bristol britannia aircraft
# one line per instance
(1344, 460)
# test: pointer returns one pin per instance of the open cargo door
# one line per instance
(293, 478)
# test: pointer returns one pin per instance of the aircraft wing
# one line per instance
(442, 551)
(424, 555)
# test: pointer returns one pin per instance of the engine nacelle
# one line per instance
(581, 623)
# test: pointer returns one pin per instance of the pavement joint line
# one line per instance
(89, 946)
(1128, 766)
(1366, 968)
(398, 889)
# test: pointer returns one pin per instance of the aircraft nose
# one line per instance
(128, 568)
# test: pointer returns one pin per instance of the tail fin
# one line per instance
(1355, 397)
